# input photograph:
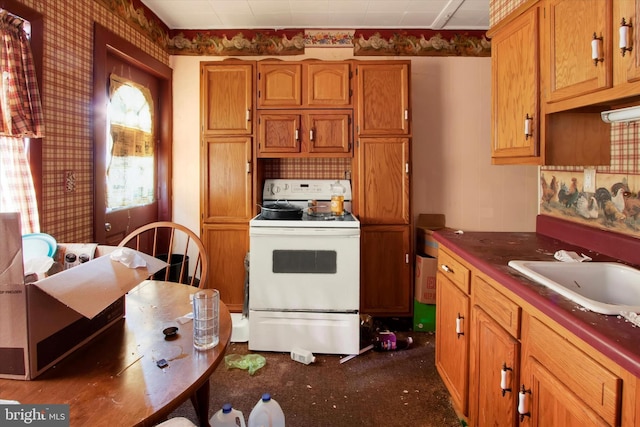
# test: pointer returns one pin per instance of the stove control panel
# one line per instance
(296, 189)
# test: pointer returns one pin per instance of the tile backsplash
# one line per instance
(615, 203)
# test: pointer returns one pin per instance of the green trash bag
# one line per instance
(250, 362)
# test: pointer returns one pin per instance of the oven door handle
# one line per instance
(315, 232)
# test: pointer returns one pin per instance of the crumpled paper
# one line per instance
(128, 257)
(570, 256)
(251, 362)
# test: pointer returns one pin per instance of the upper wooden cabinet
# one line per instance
(383, 98)
(626, 62)
(515, 109)
(227, 98)
(574, 27)
(383, 180)
(309, 84)
(226, 179)
(308, 133)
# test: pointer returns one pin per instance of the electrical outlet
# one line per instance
(589, 185)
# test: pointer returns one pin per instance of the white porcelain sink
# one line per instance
(603, 287)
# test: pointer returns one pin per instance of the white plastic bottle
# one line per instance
(303, 356)
(266, 413)
(227, 417)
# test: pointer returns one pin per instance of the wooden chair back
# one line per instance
(177, 245)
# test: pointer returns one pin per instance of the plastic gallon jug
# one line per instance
(266, 413)
(227, 417)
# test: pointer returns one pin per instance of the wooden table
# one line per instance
(114, 380)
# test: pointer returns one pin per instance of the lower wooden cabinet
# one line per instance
(494, 365)
(227, 246)
(510, 365)
(385, 270)
(562, 385)
(452, 335)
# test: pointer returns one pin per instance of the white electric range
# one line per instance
(304, 274)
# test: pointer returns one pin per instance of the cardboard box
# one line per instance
(44, 321)
(425, 226)
(424, 317)
(425, 279)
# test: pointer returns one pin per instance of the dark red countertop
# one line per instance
(490, 252)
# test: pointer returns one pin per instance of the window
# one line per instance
(130, 150)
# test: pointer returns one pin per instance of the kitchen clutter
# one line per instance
(227, 417)
(303, 356)
(266, 413)
(248, 362)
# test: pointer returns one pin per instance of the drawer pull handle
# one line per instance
(625, 40)
(523, 403)
(459, 325)
(528, 126)
(596, 49)
(505, 379)
(446, 268)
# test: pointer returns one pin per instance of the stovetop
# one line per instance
(313, 197)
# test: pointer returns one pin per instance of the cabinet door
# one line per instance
(278, 133)
(492, 352)
(572, 25)
(328, 84)
(385, 271)
(563, 385)
(383, 180)
(452, 340)
(329, 133)
(515, 90)
(383, 98)
(626, 64)
(280, 85)
(227, 99)
(227, 246)
(226, 179)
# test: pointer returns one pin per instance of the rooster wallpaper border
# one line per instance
(614, 206)
(294, 41)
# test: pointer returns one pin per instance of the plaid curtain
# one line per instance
(20, 117)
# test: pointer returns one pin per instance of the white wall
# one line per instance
(452, 171)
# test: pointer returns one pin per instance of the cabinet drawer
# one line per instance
(591, 382)
(504, 311)
(453, 270)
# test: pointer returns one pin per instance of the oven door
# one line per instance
(304, 269)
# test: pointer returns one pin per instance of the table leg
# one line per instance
(200, 401)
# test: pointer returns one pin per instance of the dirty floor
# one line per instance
(389, 389)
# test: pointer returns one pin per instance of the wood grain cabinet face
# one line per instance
(226, 171)
(383, 176)
(516, 91)
(385, 270)
(227, 245)
(383, 99)
(494, 357)
(626, 64)
(453, 326)
(313, 84)
(307, 133)
(572, 25)
(564, 385)
(227, 99)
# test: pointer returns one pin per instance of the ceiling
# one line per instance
(322, 14)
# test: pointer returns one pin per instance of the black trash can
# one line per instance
(175, 264)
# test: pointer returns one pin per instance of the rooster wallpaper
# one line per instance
(615, 203)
